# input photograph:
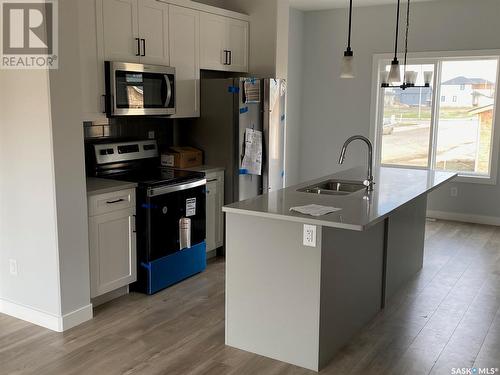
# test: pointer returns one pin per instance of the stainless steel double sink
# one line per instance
(334, 187)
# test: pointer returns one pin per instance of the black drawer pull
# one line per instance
(116, 201)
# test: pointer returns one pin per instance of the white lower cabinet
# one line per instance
(112, 240)
(215, 216)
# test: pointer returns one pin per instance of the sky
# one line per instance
(486, 69)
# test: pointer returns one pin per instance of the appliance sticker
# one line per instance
(190, 207)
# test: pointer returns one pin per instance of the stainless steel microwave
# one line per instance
(139, 90)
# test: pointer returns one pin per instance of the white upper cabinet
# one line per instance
(158, 33)
(153, 32)
(184, 36)
(91, 65)
(213, 50)
(120, 30)
(135, 31)
(237, 45)
(224, 43)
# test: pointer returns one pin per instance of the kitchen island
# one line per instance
(299, 287)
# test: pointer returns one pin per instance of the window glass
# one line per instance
(465, 125)
(453, 132)
(407, 122)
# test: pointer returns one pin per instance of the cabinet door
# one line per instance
(112, 251)
(213, 41)
(120, 30)
(153, 31)
(91, 64)
(185, 57)
(212, 218)
(237, 44)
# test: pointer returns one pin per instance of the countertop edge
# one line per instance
(316, 221)
(297, 219)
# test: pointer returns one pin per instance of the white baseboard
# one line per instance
(44, 319)
(76, 317)
(465, 218)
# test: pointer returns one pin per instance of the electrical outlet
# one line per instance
(309, 238)
(454, 192)
(151, 134)
(13, 267)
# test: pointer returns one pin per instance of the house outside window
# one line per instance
(416, 130)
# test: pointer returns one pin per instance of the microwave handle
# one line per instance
(169, 90)
(109, 104)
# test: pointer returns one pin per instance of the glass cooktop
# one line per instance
(156, 176)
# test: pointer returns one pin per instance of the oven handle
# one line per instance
(169, 90)
(154, 192)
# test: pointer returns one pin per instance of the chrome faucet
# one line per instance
(369, 179)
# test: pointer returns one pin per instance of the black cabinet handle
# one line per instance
(143, 47)
(116, 201)
(138, 53)
(226, 57)
(230, 57)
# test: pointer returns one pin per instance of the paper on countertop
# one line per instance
(252, 157)
(315, 210)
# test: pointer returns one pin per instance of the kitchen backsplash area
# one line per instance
(135, 128)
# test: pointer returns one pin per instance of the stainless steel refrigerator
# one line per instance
(228, 108)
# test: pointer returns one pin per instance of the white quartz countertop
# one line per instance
(394, 187)
(102, 185)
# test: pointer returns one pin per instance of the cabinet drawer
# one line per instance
(110, 202)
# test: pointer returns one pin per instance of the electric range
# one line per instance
(170, 211)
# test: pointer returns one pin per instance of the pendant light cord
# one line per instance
(350, 24)
(407, 30)
(397, 33)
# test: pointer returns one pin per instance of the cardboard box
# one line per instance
(182, 157)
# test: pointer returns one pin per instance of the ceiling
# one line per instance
(331, 4)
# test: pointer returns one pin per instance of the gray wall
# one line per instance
(334, 109)
(294, 104)
(43, 205)
(28, 226)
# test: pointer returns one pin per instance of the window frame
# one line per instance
(434, 58)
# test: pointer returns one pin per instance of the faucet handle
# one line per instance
(369, 184)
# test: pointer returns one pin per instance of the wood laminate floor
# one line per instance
(446, 317)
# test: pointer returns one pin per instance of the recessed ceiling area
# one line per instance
(332, 4)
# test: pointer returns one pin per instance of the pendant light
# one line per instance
(347, 70)
(395, 73)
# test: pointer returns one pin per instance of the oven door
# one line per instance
(166, 207)
(138, 90)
